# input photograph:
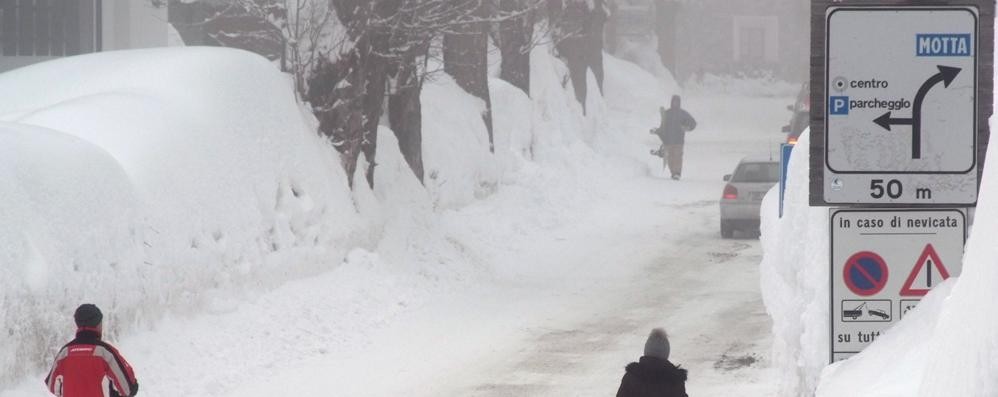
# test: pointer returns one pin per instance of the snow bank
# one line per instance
(161, 182)
(764, 86)
(643, 52)
(951, 347)
(946, 346)
(175, 182)
(794, 278)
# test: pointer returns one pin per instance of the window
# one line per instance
(49, 27)
(757, 173)
(755, 39)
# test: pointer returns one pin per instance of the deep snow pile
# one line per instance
(947, 346)
(174, 182)
(951, 347)
(794, 278)
(162, 177)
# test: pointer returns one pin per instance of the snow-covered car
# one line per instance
(743, 194)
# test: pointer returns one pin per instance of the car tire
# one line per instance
(726, 230)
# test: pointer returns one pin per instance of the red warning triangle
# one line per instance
(929, 256)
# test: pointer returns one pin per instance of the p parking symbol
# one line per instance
(838, 105)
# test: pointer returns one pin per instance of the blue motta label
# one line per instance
(943, 45)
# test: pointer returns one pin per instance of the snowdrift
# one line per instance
(175, 182)
(947, 346)
(161, 176)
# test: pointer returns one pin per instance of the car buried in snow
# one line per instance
(743, 193)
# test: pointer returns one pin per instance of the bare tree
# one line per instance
(353, 60)
(515, 39)
(577, 26)
(295, 32)
(465, 51)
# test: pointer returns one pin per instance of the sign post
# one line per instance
(882, 263)
(901, 95)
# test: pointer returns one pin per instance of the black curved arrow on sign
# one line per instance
(946, 76)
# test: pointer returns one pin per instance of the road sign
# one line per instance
(878, 266)
(786, 149)
(865, 273)
(899, 113)
(919, 283)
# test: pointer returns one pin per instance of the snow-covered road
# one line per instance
(700, 288)
(572, 305)
(661, 263)
(556, 307)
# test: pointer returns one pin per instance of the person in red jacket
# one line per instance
(83, 363)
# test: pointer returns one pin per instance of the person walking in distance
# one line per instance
(676, 122)
(653, 375)
(83, 363)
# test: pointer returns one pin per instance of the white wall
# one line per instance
(130, 24)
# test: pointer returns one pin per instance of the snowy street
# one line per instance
(511, 198)
(564, 309)
(572, 332)
(526, 302)
(251, 268)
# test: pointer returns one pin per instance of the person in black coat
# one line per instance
(676, 122)
(653, 375)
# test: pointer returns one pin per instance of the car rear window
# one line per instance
(757, 173)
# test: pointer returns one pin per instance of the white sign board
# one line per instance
(883, 262)
(901, 121)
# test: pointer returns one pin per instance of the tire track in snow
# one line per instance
(587, 358)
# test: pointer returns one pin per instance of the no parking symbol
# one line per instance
(865, 273)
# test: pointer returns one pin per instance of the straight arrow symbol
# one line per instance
(887, 121)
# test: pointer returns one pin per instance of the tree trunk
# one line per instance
(405, 113)
(665, 29)
(515, 42)
(466, 59)
(375, 78)
(581, 42)
(571, 20)
(595, 40)
(336, 92)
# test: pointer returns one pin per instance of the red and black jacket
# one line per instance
(81, 366)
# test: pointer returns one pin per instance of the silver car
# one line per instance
(743, 194)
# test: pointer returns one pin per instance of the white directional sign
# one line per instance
(883, 262)
(900, 120)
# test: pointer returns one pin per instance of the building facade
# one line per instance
(32, 31)
(724, 37)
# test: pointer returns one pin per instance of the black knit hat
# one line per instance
(88, 315)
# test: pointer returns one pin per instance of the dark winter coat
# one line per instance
(675, 123)
(653, 377)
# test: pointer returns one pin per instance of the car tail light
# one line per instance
(730, 192)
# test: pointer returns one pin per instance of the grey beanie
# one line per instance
(657, 344)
